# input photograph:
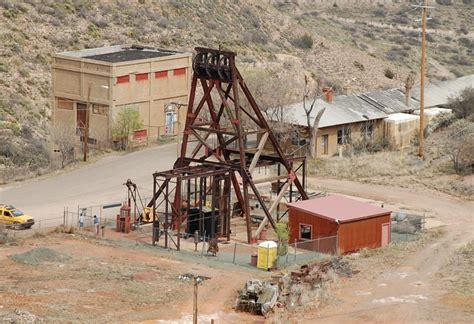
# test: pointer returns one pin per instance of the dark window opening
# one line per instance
(65, 103)
(344, 136)
(100, 109)
(367, 131)
(305, 231)
(90, 140)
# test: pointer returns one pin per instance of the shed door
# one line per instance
(385, 234)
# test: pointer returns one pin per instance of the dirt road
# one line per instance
(411, 291)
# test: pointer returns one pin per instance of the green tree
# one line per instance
(463, 104)
(282, 232)
(128, 121)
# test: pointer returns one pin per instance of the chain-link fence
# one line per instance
(406, 227)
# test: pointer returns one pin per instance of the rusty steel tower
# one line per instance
(221, 114)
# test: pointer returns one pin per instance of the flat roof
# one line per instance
(338, 209)
(120, 53)
(128, 55)
(401, 117)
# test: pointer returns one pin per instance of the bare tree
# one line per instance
(312, 127)
(273, 94)
(457, 142)
(63, 136)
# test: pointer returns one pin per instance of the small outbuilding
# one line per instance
(356, 224)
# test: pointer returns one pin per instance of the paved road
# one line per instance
(93, 184)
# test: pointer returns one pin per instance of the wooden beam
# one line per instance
(260, 147)
(273, 207)
(270, 179)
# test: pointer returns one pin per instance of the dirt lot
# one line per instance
(416, 282)
(64, 277)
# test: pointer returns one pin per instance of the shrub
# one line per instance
(466, 42)
(444, 2)
(128, 121)
(359, 65)
(3, 68)
(389, 73)
(463, 104)
(306, 41)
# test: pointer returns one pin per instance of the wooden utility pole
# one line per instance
(195, 301)
(86, 130)
(421, 147)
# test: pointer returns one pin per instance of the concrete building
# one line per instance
(112, 78)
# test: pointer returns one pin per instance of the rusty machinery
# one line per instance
(220, 158)
(138, 210)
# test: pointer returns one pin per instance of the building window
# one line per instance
(367, 130)
(100, 109)
(161, 74)
(344, 136)
(90, 140)
(123, 79)
(305, 231)
(179, 71)
(65, 103)
(141, 77)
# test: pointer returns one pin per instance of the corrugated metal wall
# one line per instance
(356, 235)
(321, 226)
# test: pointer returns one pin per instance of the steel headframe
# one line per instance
(216, 72)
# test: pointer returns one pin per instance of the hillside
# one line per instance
(335, 45)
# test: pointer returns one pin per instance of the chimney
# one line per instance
(328, 93)
(407, 95)
(408, 86)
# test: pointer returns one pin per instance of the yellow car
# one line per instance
(12, 217)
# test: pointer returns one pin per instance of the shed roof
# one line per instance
(389, 101)
(438, 93)
(343, 110)
(338, 208)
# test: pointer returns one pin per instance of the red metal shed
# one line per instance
(356, 224)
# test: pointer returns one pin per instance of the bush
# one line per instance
(444, 2)
(463, 104)
(372, 145)
(306, 41)
(128, 121)
(389, 73)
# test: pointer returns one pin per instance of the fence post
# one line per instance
(64, 216)
(235, 251)
(296, 244)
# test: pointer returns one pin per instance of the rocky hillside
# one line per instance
(365, 48)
